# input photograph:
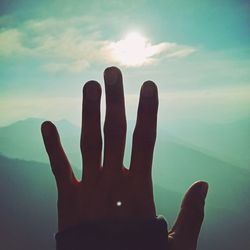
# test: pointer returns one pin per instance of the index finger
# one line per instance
(145, 130)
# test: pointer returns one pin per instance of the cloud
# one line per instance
(74, 44)
(135, 50)
(75, 66)
(10, 43)
(220, 104)
(180, 51)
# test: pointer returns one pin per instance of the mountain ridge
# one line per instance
(28, 211)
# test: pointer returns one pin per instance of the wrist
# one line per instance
(117, 234)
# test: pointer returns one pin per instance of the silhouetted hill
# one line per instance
(28, 211)
(28, 205)
(229, 141)
(28, 188)
(176, 164)
(23, 140)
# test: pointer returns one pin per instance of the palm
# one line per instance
(107, 190)
(101, 201)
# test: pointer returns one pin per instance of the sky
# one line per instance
(197, 52)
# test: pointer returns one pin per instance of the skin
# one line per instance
(104, 183)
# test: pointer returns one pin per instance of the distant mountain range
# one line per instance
(23, 140)
(176, 163)
(28, 189)
(28, 211)
(229, 141)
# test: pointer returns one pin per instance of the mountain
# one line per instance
(176, 163)
(229, 141)
(28, 205)
(28, 211)
(23, 140)
(177, 166)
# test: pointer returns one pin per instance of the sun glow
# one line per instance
(133, 50)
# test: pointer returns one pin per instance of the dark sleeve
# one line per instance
(115, 235)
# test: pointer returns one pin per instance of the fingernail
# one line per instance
(111, 75)
(204, 189)
(47, 128)
(148, 89)
(92, 91)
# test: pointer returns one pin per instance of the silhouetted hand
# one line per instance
(109, 191)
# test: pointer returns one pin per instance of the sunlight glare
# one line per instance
(133, 50)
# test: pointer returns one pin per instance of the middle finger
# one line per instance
(115, 120)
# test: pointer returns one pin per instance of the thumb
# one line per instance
(188, 224)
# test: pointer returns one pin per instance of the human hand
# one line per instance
(109, 191)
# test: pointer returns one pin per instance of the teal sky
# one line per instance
(199, 56)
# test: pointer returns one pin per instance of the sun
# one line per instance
(133, 50)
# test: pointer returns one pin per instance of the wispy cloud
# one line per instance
(11, 43)
(74, 44)
(217, 104)
(135, 50)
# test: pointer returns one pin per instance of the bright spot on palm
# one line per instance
(118, 203)
(133, 50)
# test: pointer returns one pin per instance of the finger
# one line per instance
(115, 120)
(188, 224)
(58, 160)
(145, 130)
(91, 138)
